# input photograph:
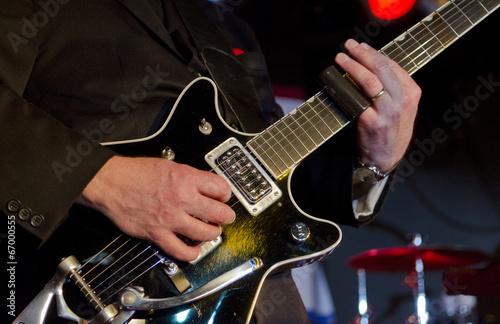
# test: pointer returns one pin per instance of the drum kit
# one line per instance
(414, 259)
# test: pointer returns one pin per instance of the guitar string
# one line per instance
(122, 267)
(277, 143)
(128, 272)
(123, 286)
(412, 61)
(305, 132)
(401, 50)
(105, 258)
(98, 253)
(444, 20)
(114, 262)
(137, 277)
(439, 22)
(275, 153)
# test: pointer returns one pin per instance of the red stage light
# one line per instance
(390, 9)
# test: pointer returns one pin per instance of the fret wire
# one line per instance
(463, 13)
(329, 109)
(432, 41)
(327, 120)
(408, 55)
(264, 157)
(302, 142)
(296, 138)
(411, 50)
(304, 137)
(262, 151)
(434, 35)
(395, 58)
(432, 22)
(279, 149)
(325, 115)
(309, 125)
(306, 123)
(494, 5)
(447, 23)
(300, 133)
(315, 124)
(335, 113)
(440, 13)
(289, 149)
(475, 11)
(419, 45)
(458, 24)
(271, 163)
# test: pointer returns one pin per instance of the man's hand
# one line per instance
(385, 129)
(155, 199)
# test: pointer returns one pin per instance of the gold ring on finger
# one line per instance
(378, 95)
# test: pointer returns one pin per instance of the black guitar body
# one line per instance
(266, 236)
(191, 132)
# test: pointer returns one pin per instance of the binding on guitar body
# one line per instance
(129, 278)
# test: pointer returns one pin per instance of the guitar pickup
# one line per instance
(248, 180)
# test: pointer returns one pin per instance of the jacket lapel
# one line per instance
(146, 15)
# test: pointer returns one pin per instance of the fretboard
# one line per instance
(287, 142)
(421, 43)
(295, 136)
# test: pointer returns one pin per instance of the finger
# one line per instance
(215, 186)
(367, 80)
(211, 210)
(389, 73)
(198, 230)
(175, 247)
(393, 79)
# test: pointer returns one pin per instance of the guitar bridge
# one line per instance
(36, 311)
(248, 180)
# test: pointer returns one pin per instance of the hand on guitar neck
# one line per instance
(155, 199)
(385, 129)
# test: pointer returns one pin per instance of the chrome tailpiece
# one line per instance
(133, 299)
(36, 311)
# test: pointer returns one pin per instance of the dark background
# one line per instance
(448, 191)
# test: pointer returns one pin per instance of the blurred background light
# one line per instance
(390, 9)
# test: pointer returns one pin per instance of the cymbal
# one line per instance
(398, 259)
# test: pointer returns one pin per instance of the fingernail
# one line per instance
(351, 43)
(234, 218)
(341, 57)
(365, 46)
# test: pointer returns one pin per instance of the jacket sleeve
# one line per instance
(44, 166)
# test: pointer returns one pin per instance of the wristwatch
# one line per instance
(370, 173)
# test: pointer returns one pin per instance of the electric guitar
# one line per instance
(125, 278)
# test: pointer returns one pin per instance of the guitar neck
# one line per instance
(424, 41)
(288, 141)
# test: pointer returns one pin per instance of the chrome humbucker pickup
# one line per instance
(248, 180)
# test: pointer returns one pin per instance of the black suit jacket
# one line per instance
(75, 73)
